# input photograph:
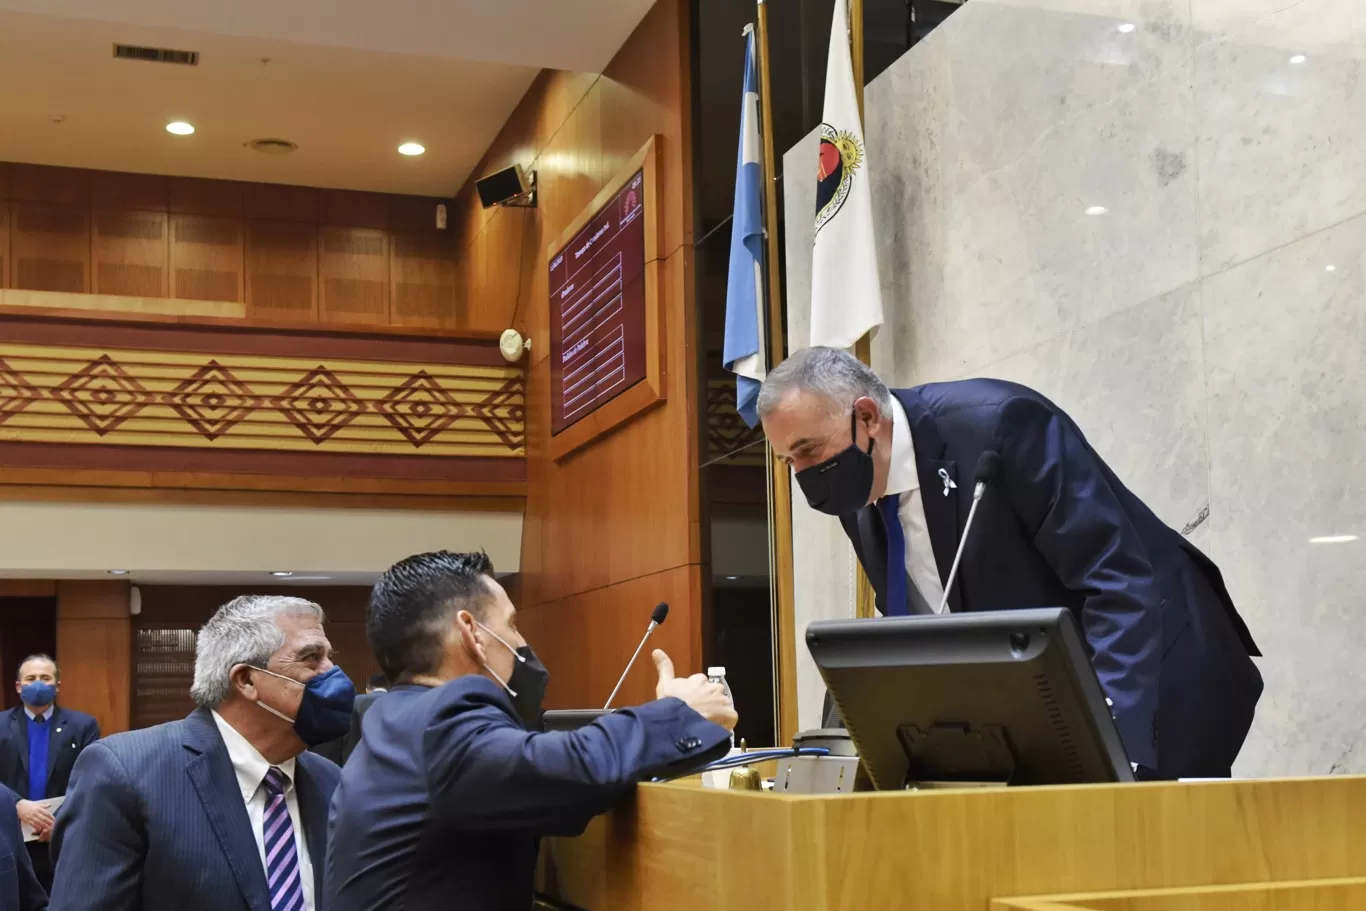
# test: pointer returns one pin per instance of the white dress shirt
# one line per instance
(251, 768)
(903, 479)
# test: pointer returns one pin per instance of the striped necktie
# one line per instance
(282, 856)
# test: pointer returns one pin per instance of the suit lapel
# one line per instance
(215, 782)
(54, 740)
(313, 807)
(934, 471)
(18, 722)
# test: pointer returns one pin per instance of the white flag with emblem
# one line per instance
(846, 298)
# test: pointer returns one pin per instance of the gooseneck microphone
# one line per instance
(660, 612)
(988, 467)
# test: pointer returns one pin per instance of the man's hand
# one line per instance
(37, 817)
(701, 695)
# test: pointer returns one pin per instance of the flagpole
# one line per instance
(779, 478)
(864, 598)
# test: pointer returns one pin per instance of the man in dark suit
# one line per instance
(225, 810)
(19, 887)
(442, 803)
(1056, 528)
(39, 744)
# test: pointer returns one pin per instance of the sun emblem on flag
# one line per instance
(841, 153)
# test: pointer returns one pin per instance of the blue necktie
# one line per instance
(282, 856)
(888, 506)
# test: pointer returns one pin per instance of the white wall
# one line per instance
(1194, 330)
(59, 540)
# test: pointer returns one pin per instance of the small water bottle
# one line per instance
(718, 675)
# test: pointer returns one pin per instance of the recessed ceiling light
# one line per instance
(118, 572)
(732, 578)
(1127, 27)
(1298, 59)
(411, 148)
(179, 128)
(1096, 210)
(281, 574)
(1333, 539)
(1330, 268)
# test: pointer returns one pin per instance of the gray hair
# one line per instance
(831, 373)
(243, 631)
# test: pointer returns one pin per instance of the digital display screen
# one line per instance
(597, 309)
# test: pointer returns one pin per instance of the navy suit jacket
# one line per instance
(19, 887)
(442, 803)
(155, 821)
(1057, 528)
(72, 732)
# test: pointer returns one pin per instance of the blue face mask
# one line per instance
(38, 693)
(325, 709)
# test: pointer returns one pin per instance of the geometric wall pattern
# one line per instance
(728, 438)
(75, 395)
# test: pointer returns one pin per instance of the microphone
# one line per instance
(657, 617)
(988, 467)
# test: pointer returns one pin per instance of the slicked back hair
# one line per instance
(413, 605)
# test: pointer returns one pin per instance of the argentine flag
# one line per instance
(743, 353)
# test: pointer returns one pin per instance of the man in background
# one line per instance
(443, 802)
(19, 887)
(225, 810)
(39, 744)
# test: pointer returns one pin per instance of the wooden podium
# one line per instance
(1273, 845)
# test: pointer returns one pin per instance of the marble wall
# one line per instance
(1207, 331)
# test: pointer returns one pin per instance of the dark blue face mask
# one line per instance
(39, 693)
(325, 709)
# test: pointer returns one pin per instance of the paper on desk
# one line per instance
(52, 803)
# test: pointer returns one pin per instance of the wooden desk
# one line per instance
(678, 848)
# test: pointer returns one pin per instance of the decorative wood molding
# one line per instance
(187, 397)
(60, 301)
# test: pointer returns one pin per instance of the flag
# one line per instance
(743, 351)
(846, 298)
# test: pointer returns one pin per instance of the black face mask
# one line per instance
(529, 680)
(842, 484)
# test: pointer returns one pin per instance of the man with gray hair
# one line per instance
(1055, 528)
(224, 810)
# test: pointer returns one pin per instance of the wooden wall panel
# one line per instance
(114, 190)
(149, 236)
(422, 280)
(208, 258)
(4, 244)
(94, 649)
(282, 271)
(276, 202)
(613, 529)
(51, 247)
(354, 275)
(195, 196)
(130, 253)
(585, 640)
(40, 183)
(351, 209)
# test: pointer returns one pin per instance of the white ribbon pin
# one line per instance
(948, 481)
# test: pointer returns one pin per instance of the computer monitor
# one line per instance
(994, 697)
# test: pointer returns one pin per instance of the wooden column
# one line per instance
(95, 650)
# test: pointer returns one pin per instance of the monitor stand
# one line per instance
(957, 755)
